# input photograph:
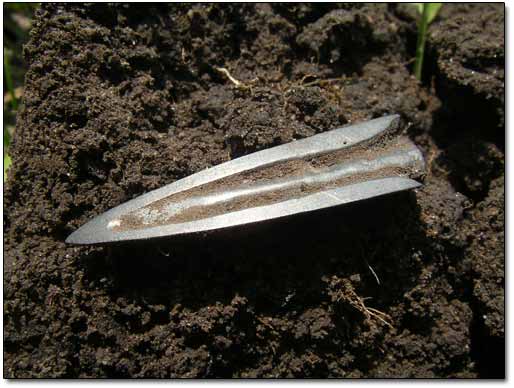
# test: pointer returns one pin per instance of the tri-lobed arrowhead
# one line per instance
(337, 167)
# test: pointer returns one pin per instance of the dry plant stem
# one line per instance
(373, 272)
(236, 82)
(379, 315)
(229, 76)
(369, 312)
(323, 81)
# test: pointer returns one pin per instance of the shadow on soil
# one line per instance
(306, 250)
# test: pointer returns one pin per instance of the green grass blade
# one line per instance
(432, 10)
(7, 158)
(7, 164)
(7, 137)
(420, 45)
(429, 12)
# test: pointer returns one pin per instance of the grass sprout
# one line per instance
(428, 13)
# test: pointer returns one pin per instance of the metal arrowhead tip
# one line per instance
(341, 166)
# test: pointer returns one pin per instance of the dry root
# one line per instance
(238, 84)
(343, 292)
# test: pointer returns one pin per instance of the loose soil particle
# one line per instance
(119, 102)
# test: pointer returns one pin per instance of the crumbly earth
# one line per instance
(120, 100)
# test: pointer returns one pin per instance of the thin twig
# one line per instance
(373, 272)
(323, 81)
(379, 314)
(236, 82)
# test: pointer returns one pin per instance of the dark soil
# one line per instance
(120, 100)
